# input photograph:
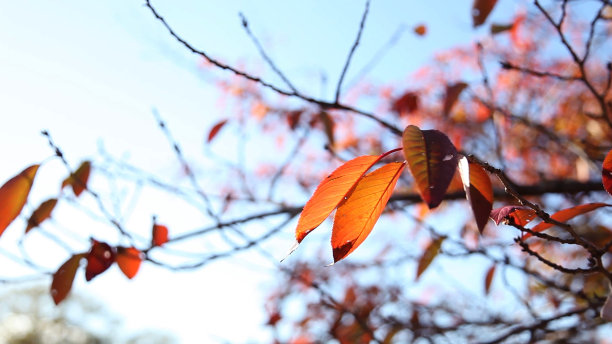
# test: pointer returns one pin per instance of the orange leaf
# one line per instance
(489, 278)
(428, 256)
(420, 30)
(42, 213)
(481, 10)
(215, 130)
(100, 257)
(330, 192)
(78, 179)
(606, 173)
(567, 214)
(14, 194)
(128, 259)
(452, 94)
(432, 159)
(357, 215)
(478, 190)
(63, 278)
(160, 235)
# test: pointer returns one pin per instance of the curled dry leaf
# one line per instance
(14, 194)
(78, 179)
(129, 259)
(64, 276)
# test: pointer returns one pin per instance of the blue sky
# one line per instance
(91, 72)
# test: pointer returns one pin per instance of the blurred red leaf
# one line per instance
(512, 214)
(481, 10)
(357, 215)
(160, 235)
(293, 118)
(452, 94)
(420, 30)
(215, 130)
(14, 194)
(406, 104)
(567, 214)
(78, 179)
(428, 256)
(478, 190)
(432, 159)
(606, 172)
(489, 278)
(100, 257)
(128, 259)
(63, 278)
(41, 213)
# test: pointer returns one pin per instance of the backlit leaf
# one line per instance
(432, 159)
(357, 215)
(452, 94)
(215, 130)
(330, 192)
(14, 194)
(78, 179)
(481, 10)
(128, 259)
(489, 278)
(513, 214)
(63, 278)
(428, 256)
(100, 257)
(42, 213)
(160, 235)
(406, 104)
(567, 214)
(606, 173)
(478, 190)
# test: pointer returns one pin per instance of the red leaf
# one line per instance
(160, 235)
(606, 173)
(14, 194)
(489, 278)
(63, 278)
(129, 259)
(567, 214)
(478, 190)
(215, 130)
(420, 30)
(432, 159)
(78, 179)
(357, 215)
(428, 256)
(452, 94)
(293, 118)
(481, 10)
(100, 257)
(330, 192)
(42, 213)
(406, 104)
(512, 214)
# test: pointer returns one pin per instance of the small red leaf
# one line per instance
(420, 30)
(129, 259)
(357, 215)
(63, 278)
(489, 278)
(513, 214)
(452, 94)
(406, 104)
(428, 256)
(606, 173)
(478, 190)
(567, 214)
(293, 118)
(432, 159)
(160, 235)
(481, 10)
(14, 194)
(100, 257)
(78, 179)
(215, 130)
(42, 213)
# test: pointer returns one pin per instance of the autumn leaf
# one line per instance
(432, 159)
(406, 104)
(478, 190)
(606, 172)
(513, 214)
(128, 259)
(330, 192)
(489, 278)
(78, 179)
(100, 257)
(293, 118)
(499, 28)
(567, 214)
(215, 130)
(63, 278)
(452, 94)
(357, 215)
(428, 256)
(481, 10)
(328, 126)
(14, 194)
(420, 30)
(41, 213)
(160, 235)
